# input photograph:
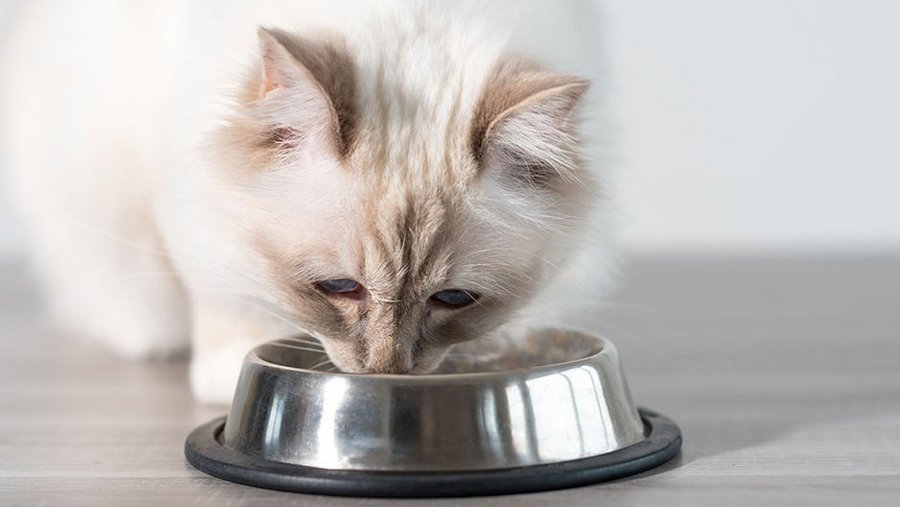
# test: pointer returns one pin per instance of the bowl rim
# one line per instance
(204, 450)
(606, 347)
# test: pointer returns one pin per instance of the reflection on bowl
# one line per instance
(474, 419)
(550, 411)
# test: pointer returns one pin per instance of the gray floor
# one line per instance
(783, 373)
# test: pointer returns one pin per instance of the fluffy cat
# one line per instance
(393, 177)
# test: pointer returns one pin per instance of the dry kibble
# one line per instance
(538, 348)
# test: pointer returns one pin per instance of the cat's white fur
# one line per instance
(107, 103)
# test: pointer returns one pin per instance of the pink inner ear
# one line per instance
(278, 66)
(267, 86)
(273, 78)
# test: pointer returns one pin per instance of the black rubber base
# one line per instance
(206, 453)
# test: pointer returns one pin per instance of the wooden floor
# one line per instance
(784, 375)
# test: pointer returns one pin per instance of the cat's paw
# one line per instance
(214, 372)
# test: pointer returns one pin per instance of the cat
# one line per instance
(392, 178)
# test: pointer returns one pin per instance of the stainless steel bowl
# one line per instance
(295, 427)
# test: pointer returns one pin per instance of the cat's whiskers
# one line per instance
(281, 343)
(252, 300)
(70, 218)
(321, 364)
(165, 255)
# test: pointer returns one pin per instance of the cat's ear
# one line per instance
(525, 124)
(316, 81)
(279, 68)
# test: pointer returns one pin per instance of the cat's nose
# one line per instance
(389, 359)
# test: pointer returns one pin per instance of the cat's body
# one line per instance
(183, 190)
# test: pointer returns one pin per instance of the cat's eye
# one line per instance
(453, 298)
(340, 286)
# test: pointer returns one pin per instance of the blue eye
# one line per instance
(453, 298)
(339, 286)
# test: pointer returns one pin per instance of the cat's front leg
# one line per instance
(221, 337)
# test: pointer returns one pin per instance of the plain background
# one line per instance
(749, 129)
(744, 126)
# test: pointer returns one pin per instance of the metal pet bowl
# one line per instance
(553, 412)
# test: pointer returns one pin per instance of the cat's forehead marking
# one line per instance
(415, 103)
(405, 243)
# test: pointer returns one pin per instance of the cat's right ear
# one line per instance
(309, 85)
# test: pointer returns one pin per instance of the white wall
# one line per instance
(10, 233)
(763, 124)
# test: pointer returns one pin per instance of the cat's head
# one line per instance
(393, 217)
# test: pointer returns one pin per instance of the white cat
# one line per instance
(391, 177)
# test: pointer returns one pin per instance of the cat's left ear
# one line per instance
(525, 122)
(316, 82)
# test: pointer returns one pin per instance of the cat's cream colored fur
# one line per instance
(412, 146)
